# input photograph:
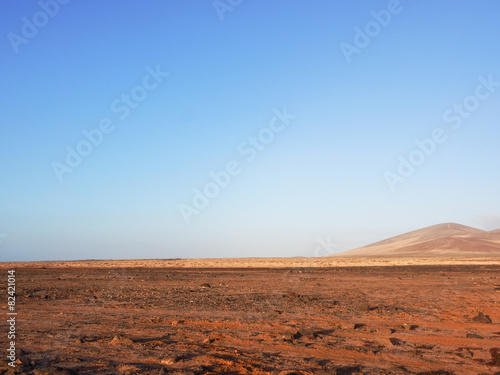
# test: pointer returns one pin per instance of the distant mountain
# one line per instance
(442, 239)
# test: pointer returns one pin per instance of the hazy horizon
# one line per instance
(244, 129)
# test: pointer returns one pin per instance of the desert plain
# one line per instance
(328, 315)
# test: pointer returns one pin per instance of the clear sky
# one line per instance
(166, 129)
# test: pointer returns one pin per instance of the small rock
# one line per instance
(205, 285)
(396, 342)
(495, 356)
(473, 336)
(121, 340)
(308, 332)
(170, 360)
(481, 318)
(413, 327)
(41, 294)
(393, 309)
(23, 358)
(291, 335)
(359, 325)
(208, 340)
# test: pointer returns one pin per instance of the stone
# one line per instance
(397, 342)
(308, 332)
(473, 336)
(291, 335)
(481, 318)
(170, 360)
(495, 356)
(121, 340)
(208, 340)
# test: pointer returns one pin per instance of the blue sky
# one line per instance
(179, 89)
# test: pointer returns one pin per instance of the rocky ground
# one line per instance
(329, 320)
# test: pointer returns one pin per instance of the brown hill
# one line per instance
(442, 239)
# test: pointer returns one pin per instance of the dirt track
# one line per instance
(343, 320)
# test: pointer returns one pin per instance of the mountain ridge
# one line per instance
(440, 239)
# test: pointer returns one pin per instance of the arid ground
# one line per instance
(255, 316)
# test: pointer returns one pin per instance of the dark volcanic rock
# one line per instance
(481, 318)
(473, 336)
(291, 335)
(396, 342)
(495, 356)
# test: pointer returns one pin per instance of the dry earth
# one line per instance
(256, 316)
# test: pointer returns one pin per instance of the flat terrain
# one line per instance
(299, 316)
